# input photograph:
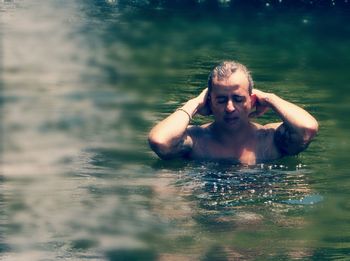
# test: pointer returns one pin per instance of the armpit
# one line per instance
(288, 142)
(183, 147)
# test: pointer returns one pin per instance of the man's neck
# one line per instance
(236, 136)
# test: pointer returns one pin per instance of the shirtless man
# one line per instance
(232, 135)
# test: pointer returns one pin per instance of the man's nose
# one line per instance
(230, 107)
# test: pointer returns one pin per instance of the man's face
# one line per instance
(230, 101)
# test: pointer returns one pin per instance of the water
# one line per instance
(84, 81)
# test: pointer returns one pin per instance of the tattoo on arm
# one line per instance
(288, 142)
(179, 148)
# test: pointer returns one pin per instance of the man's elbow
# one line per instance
(310, 131)
(160, 146)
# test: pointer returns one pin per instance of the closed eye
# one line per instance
(221, 100)
(238, 98)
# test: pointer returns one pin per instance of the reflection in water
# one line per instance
(83, 81)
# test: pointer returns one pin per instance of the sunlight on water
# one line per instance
(239, 187)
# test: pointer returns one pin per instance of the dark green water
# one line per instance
(84, 81)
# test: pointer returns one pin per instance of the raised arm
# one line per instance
(298, 127)
(170, 138)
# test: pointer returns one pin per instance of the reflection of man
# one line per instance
(233, 136)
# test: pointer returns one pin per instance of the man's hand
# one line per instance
(260, 102)
(169, 138)
(203, 103)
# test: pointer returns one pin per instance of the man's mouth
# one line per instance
(231, 119)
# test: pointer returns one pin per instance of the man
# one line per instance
(230, 97)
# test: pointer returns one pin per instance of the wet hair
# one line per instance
(225, 69)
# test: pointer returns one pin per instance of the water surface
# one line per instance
(84, 81)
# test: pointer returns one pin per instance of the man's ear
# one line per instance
(253, 100)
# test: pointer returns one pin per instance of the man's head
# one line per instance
(230, 93)
(224, 70)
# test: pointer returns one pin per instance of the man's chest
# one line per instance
(208, 149)
(250, 152)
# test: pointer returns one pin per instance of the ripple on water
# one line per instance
(216, 186)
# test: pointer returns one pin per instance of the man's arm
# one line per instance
(298, 127)
(170, 138)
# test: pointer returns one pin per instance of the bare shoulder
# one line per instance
(265, 134)
(267, 130)
(201, 137)
(198, 131)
